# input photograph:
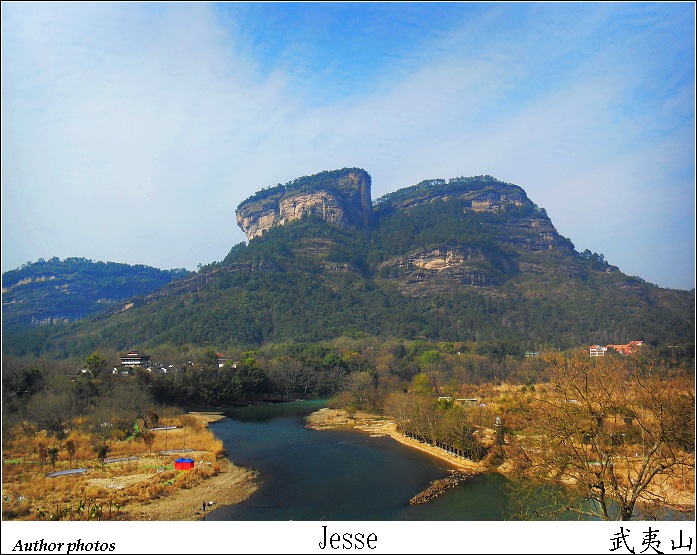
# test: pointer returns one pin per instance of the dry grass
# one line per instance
(104, 491)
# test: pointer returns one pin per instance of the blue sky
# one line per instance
(131, 131)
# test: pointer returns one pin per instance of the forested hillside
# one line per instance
(57, 291)
(464, 260)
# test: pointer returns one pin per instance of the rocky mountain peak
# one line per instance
(340, 197)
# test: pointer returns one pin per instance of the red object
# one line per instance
(183, 464)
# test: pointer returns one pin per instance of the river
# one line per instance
(337, 475)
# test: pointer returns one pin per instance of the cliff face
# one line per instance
(429, 270)
(481, 194)
(340, 197)
(439, 248)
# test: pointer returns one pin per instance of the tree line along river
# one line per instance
(339, 475)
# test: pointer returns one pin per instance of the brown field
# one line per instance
(145, 488)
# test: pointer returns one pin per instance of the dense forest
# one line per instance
(284, 287)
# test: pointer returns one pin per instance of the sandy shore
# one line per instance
(378, 426)
(231, 485)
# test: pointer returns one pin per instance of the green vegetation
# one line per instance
(57, 291)
(513, 285)
(441, 187)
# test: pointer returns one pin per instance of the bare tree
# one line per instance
(617, 432)
(360, 386)
(51, 411)
(399, 406)
(53, 456)
(71, 448)
(286, 374)
(43, 453)
(149, 439)
(308, 379)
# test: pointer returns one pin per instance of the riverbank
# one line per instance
(230, 485)
(378, 426)
(665, 489)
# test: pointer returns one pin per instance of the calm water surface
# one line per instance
(341, 475)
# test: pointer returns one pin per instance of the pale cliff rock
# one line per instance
(255, 223)
(443, 258)
(340, 197)
(467, 266)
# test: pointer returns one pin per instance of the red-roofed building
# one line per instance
(628, 348)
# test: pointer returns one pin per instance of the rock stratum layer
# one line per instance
(340, 197)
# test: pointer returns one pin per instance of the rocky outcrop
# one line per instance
(444, 258)
(463, 265)
(532, 234)
(481, 194)
(340, 197)
(437, 487)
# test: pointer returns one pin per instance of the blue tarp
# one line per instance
(107, 461)
(184, 460)
(66, 472)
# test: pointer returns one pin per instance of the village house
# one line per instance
(75, 373)
(626, 349)
(134, 358)
(223, 360)
(166, 368)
